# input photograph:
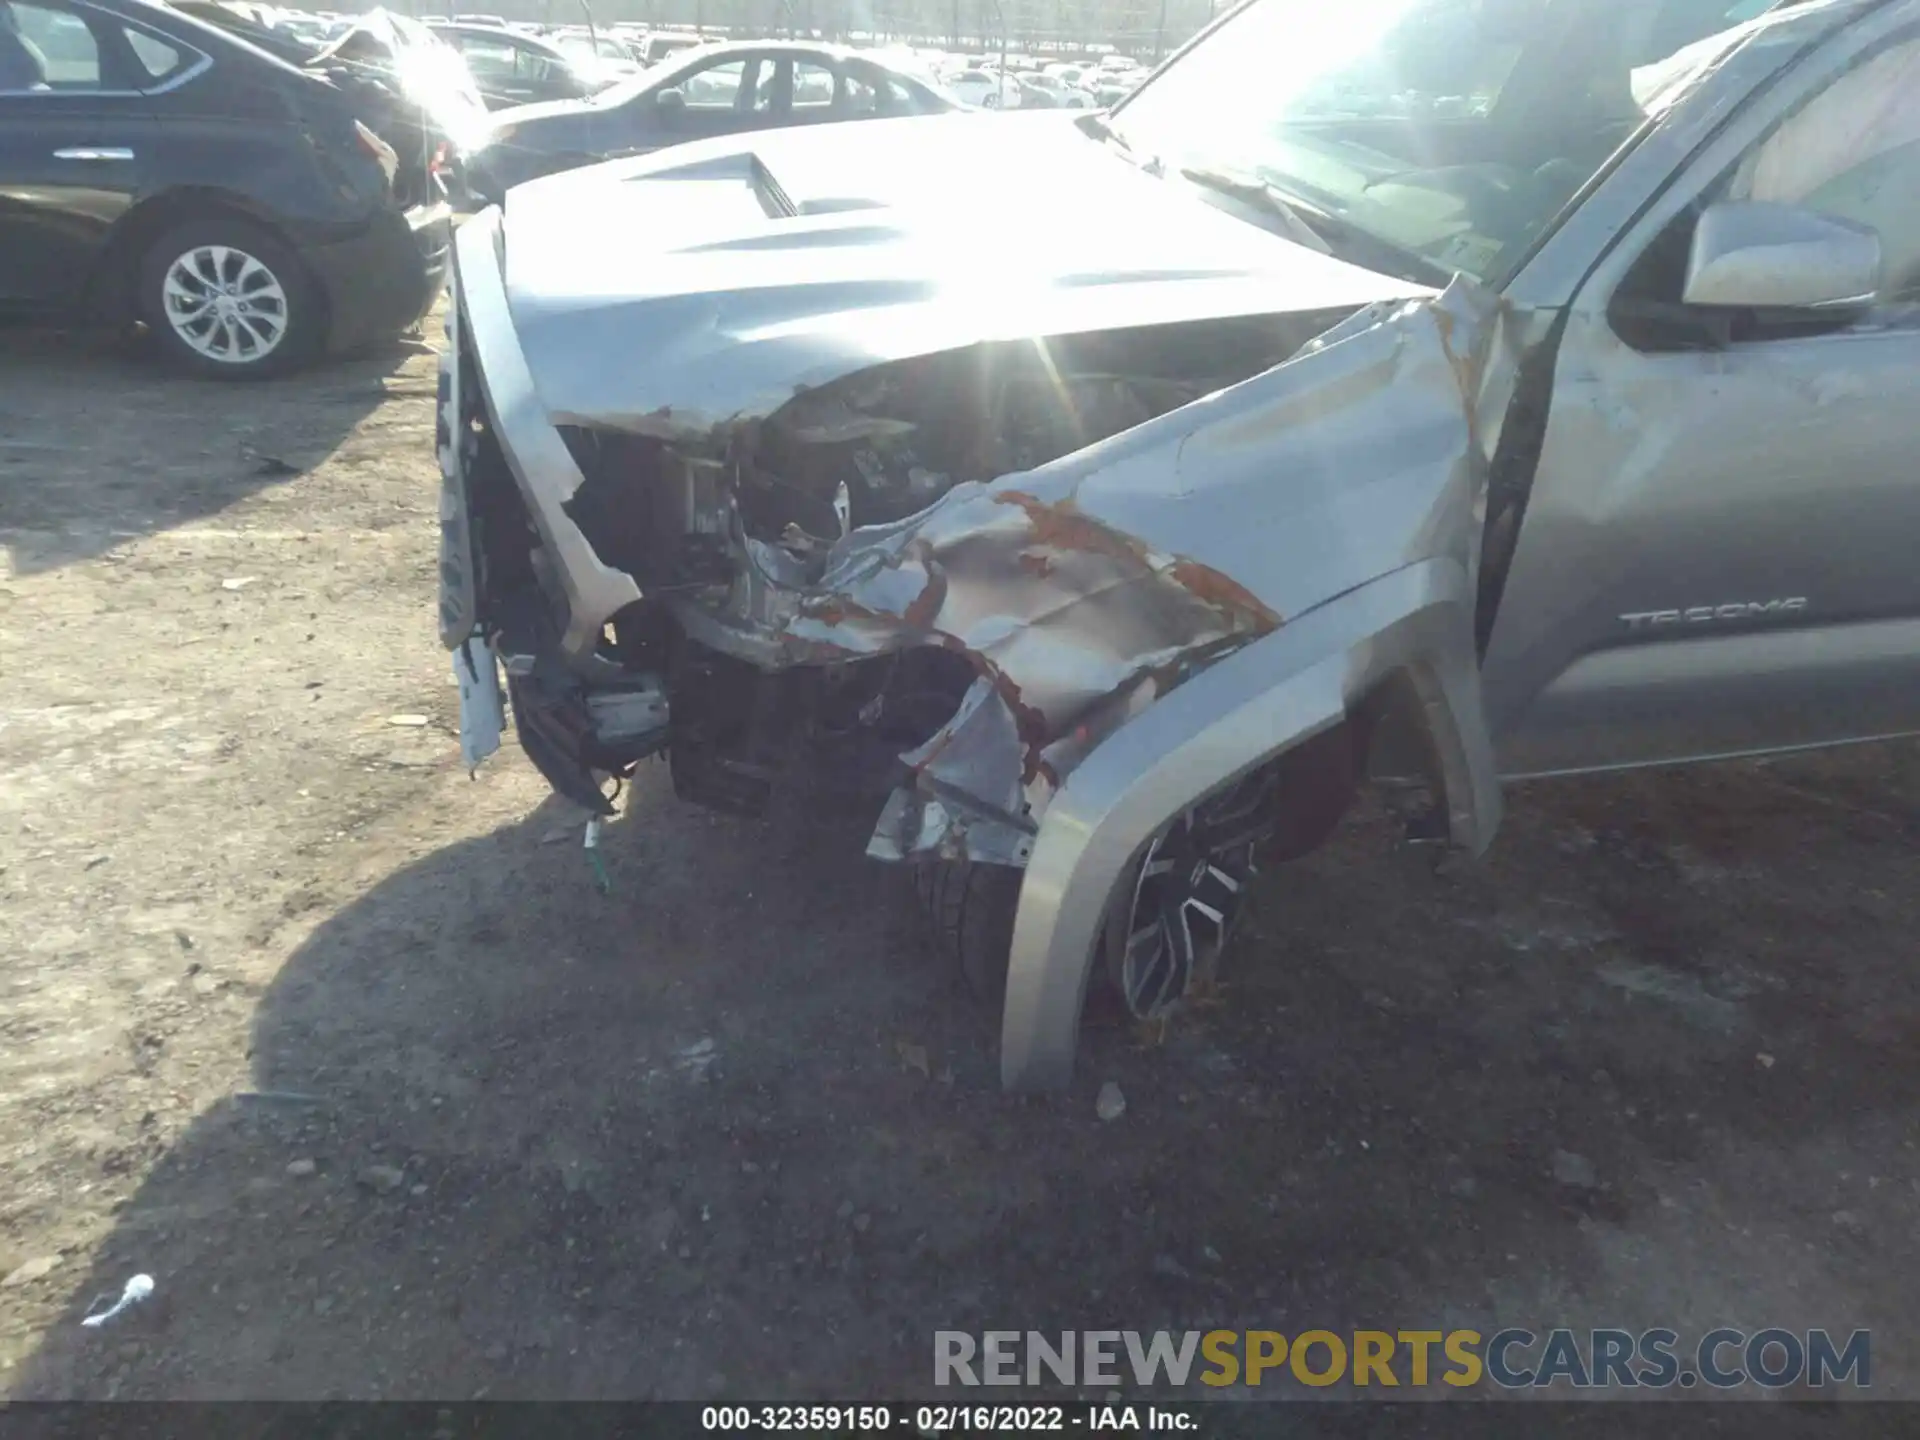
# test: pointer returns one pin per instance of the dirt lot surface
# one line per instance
(346, 1050)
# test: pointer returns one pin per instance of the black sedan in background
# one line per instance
(714, 90)
(409, 87)
(153, 167)
(515, 69)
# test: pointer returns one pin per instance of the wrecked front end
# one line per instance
(988, 568)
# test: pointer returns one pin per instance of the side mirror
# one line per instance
(671, 104)
(1758, 255)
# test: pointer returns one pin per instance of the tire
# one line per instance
(270, 318)
(1187, 887)
(971, 908)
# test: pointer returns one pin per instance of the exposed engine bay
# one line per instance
(748, 545)
(884, 444)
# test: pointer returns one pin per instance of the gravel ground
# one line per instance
(346, 1050)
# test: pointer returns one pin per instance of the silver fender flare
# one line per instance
(1257, 703)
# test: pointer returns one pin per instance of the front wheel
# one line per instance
(229, 300)
(1169, 921)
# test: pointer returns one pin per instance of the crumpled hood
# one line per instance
(676, 292)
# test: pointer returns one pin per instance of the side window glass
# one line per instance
(761, 82)
(486, 59)
(533, 66)
(714, 88)
(44, 48)
(157, 59)
(812, 88)
(861, 98)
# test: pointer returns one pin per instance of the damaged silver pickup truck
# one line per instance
(1434, 392)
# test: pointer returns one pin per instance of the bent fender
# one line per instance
(1259, 702)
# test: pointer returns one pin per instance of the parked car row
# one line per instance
(506, 65)
(251, 212)
(1021, 82)
(512, 67)
(257, 186)
(710, 91)
(592, 57)
(254, 199)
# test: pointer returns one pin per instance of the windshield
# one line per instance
(1452, 131)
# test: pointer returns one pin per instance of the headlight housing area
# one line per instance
(502, 134)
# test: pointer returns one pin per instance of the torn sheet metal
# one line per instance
(969, 797)
(482, 710)
(1083, 589)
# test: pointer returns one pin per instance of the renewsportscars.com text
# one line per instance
(1510, 1359)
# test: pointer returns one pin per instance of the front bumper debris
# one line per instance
(482, 710)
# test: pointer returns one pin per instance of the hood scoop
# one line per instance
(773, 199)
(779, 205)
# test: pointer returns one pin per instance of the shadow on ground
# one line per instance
(727, 1131)
(100, 443)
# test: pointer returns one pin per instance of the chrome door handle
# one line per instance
(91, 152)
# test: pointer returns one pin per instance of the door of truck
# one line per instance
(1717, 556)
